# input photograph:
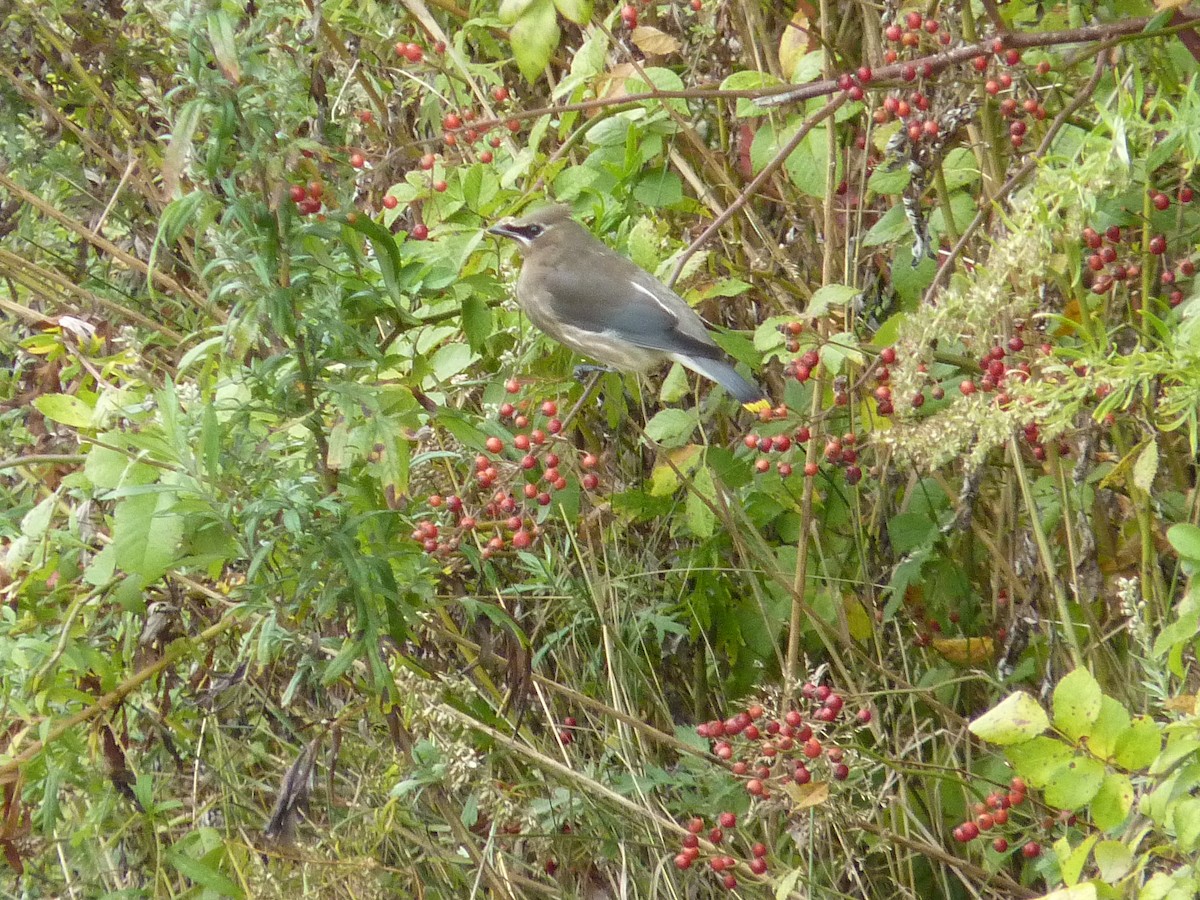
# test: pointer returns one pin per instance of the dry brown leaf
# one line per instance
(653, 42)
(1184, 703)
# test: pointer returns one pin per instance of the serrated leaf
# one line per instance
(653, 42)
(643, 244)
(577, 11)
(534, 37)
(1073, 785)
(65, 409)
(1015, 719)
(1110, 807)
(1076, 703)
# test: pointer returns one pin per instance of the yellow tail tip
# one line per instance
(758, 407)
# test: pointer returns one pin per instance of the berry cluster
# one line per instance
(782, 750)
(992, 814)
(308, 197)
(519, 482)
(721, 864)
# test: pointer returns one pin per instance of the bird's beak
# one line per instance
(503, 229)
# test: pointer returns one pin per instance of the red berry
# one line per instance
(1000, 845)
(1157, 245)
(440, 186)
(1161, 201)
(1032, 850)
(390, 202)
(420, 232)
(893, 32)
(727, 820)
(452, 121)
(486, 156)
(297, 193)
(629, 16)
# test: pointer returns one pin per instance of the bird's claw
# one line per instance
(583, 370)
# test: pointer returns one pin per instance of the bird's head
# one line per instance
(539, 228)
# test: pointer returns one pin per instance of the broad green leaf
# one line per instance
(830, 295)
(66, 409)
(109, 469)
(1076, 703)
(533, 37)
(476, 321)
(1015, 719)
(1071, 860)
(577, 11)
(1139, 745)
(146, 534)
(1110, 807)
(511, 10)
(1086, 891)
(672, 427)
(892, 226)
(1185, 538)
(1113, 721)
(1073, 784)
(1185, 817)
(658, 189)
(1113, 859)
(749, 80)
(888, 180)
(1038, 759)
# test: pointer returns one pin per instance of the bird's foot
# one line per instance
(583, 370)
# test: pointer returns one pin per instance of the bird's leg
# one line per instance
(583, 370)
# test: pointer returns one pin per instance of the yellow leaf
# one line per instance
(805, 795)
(965, 651)
(653, 42)
(795, 41)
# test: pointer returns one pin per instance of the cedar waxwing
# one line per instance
(600, 304)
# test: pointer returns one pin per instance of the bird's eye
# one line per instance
(534, 230)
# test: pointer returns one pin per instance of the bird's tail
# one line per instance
(747, 393)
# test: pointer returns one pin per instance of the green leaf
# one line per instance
(1038, 759)
(805, 165)
(109, 469)
(886, 180)
(1113, 859)
(961, 168)
(1015, 719)
(700, 518)
(1185, 538)
(1074, 784)
(1113, 721)
(511, 10)
(577, 11)
(658, 189)
(749, 80)
(830, 295)
(892, 226)
(146, 534)
(1146, 466)
(672, 427)
(1072, 859)
(203, 874)
(1185, 817)
(66, 409)
(1076, 703)
(1138, 745)
(1110, 807)
(220, 34)
(387, 255)
(534, 37)
(476, 321)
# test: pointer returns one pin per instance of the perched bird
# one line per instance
(600, 304)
